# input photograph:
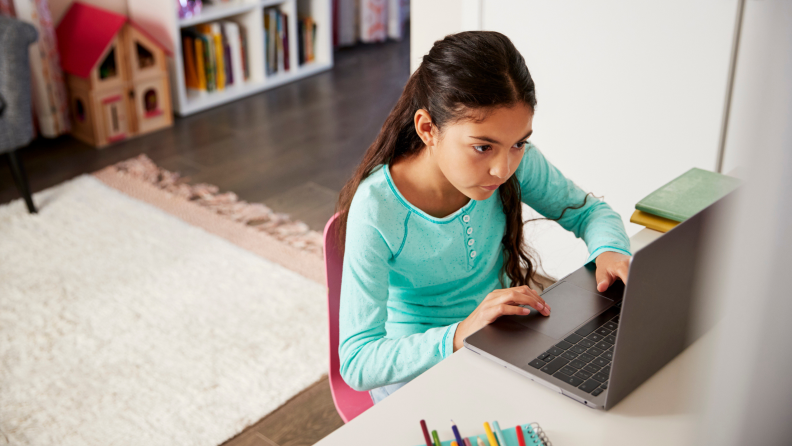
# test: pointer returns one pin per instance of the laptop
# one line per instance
(596, 347)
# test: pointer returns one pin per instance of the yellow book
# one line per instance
(190, 75)
(652, 221)
(199, 64)
(219, 56)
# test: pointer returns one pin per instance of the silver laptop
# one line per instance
(596, 347)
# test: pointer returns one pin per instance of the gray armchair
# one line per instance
(16, 118)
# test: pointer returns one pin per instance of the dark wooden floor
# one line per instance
(302, 421)
(291, 148)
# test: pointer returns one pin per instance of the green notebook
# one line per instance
(687, 194)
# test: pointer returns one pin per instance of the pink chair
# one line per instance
(349, 402)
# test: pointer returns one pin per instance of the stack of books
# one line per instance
(276, 40)
(682, 198)
(215, 56)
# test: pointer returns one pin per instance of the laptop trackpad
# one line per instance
(571, 306)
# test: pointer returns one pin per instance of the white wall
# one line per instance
(431, 20)
(630, 94)
(750, 400)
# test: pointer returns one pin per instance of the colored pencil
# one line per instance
(436, 439)
(499, 433)
(490, 436)
(456, 434)
(467, 442)
(427, 438)
(520, 438)
(480, 441)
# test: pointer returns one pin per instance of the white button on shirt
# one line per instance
(473, 254)
(470, 231)
(470, 242)
(466, 218)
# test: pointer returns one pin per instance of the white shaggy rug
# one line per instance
(122, 325)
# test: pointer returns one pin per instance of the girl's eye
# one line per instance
(520, 145)
(481, 149)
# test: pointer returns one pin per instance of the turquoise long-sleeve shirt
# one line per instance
(410, 278)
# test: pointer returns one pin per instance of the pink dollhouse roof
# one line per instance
(84, 33)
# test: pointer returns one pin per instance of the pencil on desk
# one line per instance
(480, 441)
(499, 433)
(520, 438)
(490, 436)
(427, 438)
(467, 442)
(436, 439)
(456, 434)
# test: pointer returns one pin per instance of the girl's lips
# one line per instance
(491, 187)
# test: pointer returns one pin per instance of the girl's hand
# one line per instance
(496, 304)
(611, 265)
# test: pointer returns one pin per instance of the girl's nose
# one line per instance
(501, 167)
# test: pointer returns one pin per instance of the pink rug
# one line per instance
(251, 226)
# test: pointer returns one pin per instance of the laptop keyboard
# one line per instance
(583, 359)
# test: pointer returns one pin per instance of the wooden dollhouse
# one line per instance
(116, 76)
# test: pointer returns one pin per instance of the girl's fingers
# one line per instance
(604, 279)
(623, 269)
(523, 296)
(497, 311)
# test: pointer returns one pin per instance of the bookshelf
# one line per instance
(161, 19)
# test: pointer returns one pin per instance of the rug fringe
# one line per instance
(227, 204)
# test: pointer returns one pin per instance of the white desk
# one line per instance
(470, 389)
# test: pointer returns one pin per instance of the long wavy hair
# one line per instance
(464, 76)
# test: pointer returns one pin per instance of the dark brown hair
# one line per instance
(464, 76)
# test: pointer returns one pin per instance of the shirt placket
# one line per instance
(470, 241)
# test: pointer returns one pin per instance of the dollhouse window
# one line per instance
(79, 110)
(114, 115)
(108, 67)
(150, 100)
(144, 56)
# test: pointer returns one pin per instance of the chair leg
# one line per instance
(18, 172)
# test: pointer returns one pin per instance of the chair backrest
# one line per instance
(16, 118)
(349, 402)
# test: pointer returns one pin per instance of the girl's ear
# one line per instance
(424, 127)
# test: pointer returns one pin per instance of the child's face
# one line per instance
(477, 157)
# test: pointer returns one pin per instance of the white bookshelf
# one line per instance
(160, 18)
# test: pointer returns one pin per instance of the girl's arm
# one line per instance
(368, 359)
(546, 190)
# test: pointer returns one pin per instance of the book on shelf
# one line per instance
(236, 73)
(276, 40)
(681, 198)
(306, 39)
(214, 56)
(219, 55)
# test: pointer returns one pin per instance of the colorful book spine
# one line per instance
(652, 221)
(245, 58)
(279, 41)
(219, 56)
(235, 53)
(190, 74)
(199, 63)
(285, 41)
(215, 56)
(300, 42)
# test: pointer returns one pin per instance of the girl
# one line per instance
(431, 222)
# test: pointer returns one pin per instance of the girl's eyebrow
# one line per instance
(492, 141)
